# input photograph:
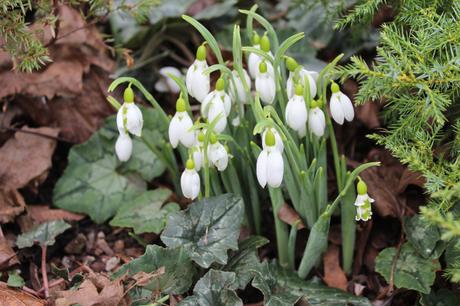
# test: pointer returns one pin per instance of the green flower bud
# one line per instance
(319, 102)
(361, 187)
(265, 43)
(313, 104)
(291, 64)
(128, 95)
(270, 138)
(201, 137)
(334, 87)
(220, 84)
(299, 90)
(255, 38)
(263, 67)
(180, 105)
(190, 165)
(213, 138)
(201, 53)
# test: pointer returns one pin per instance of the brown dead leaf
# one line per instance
(368, 114)
(7, 255)
(13, 297)
(333, 274)
(43, 213)
(26, 156)
(143, 279)
(410, 178)
(89, 293)
(11, 205)
(288, 215)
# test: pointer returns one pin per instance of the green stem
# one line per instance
(280, 227)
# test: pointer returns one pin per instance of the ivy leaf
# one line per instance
(411, 270)
(207, 229)
(422, 236)
(443, 297)
(146, 213)
(245, 260)
(274, 295)
(282, 282)
(96, 183)
(43, 234)
(15, 280)
(178, 269)
(215, 288)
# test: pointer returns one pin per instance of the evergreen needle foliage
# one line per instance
(417, 75)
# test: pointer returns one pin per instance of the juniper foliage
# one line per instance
(417, 75)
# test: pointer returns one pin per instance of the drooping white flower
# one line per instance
(129, 116)
(265, 84)
(270, 164)
(217, 154)
(180, 127)
(124, 147)
(296, 112)
(237, 90)
(278, 141)
(253, 63)
(197, 82)
(363, 202)
(217, 103)
(316, 119)
(190, 181)
(340, 105)
(165, 82)
(302, 75)
(254, 59)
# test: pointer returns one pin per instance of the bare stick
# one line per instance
(44, 275)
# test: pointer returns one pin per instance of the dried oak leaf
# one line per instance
(13, 297)
(367, 113)
(333, 273)
(37, 214)
(26, 156)
(288, 215)
(7, 255)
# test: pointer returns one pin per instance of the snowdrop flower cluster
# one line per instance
(363, 202)
(270, 164)
(129, 120)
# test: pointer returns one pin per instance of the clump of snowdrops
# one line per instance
(264, 127)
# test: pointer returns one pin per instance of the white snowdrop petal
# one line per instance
(189, 80)
(317, 122)
(124, 147)
(227, 103)
(190, 183)
(266, 87)
(197, 158)
(347, 106)
(120, 126)
(161, 86)
(174, 131)
(205, 104)
(278, 141)
(187, 135)
(296, 113)
(168, 81)
(336, 109)
(240, 92)
(217, 109)
(261, 168)
(275, 171)
(198, 84)
(253, 63)
(202, 86)
(134, 119)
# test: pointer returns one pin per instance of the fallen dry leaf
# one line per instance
(288, 215)
(333, 273)
(11, 205)
(7, 255)
(410, 178)
(14, 297)
(26, 156)
(369, 114)
(70, 92)
(43, 213)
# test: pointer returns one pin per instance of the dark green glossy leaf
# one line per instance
(96, 183)
(422, 235)
(146, 213)
(207, 229)
(178, 269)
(442, 297)
(215, 288)
(43, 234)
(411, 270)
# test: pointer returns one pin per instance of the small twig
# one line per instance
(1, 233)
(31, 291)
(44, 274)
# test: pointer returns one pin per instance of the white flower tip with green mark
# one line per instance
(296, 114)
(218, 156)
(124, 147)
(302, 74)
(198, 83)
(180, 130)
(341, 107)
(129, 119)
(317, 121)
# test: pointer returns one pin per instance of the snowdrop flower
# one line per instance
(217, 154)
(124, 147)
(302, 75)
(198, 83)
(363, 202)
(270, 164)
(180, 127)
(197, 152)
(296, 112)
(217, 103)
(340, 105)
(254, 59)
(237, 90)
(166, 83)
(190, 181)
(265, 84)
(278, 141)
(316, 119)
(129, 116)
